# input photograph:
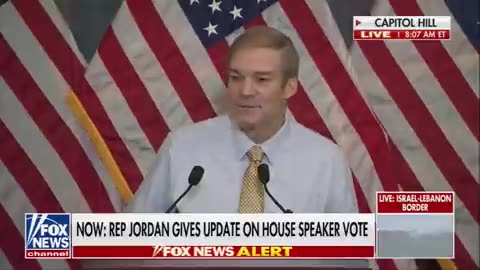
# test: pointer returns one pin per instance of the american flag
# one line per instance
(80, 137)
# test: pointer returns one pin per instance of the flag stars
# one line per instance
(258, 1)
(236, 12)
(211, 29)
(215, 6)
(194, 1)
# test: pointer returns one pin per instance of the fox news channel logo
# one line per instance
(47, 236)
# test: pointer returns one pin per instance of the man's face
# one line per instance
(256, 91)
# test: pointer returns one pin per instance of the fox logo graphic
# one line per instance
(47, 235)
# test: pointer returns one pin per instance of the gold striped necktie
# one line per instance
(251, 197)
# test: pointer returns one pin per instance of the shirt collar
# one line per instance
(272, 147)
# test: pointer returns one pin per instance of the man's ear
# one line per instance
(290, 88)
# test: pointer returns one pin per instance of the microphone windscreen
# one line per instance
(263, 173)
(195, 175)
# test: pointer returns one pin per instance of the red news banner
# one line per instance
(415, 202)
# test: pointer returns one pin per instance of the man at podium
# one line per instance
(306, 172)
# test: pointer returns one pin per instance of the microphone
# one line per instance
(195, 176)
(264, 176)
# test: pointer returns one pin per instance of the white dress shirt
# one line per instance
(308, 173)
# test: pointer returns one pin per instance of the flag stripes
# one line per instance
(173, 62)
(132, 88)
(64, 29)
(141, 56)
(51, 125)
(47, 162)
(417, 158)
(407, 136)
(4, 264)
(171, 16)
(73, 72)
(445, 70)
(459, 48)
(17, 164)
(422, 122)
(53, 86)
(29, 136)
(12, 244)
(442, 110)
(16, 201)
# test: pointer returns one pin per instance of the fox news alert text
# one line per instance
(401, 27)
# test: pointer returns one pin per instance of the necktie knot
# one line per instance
(255, 154)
